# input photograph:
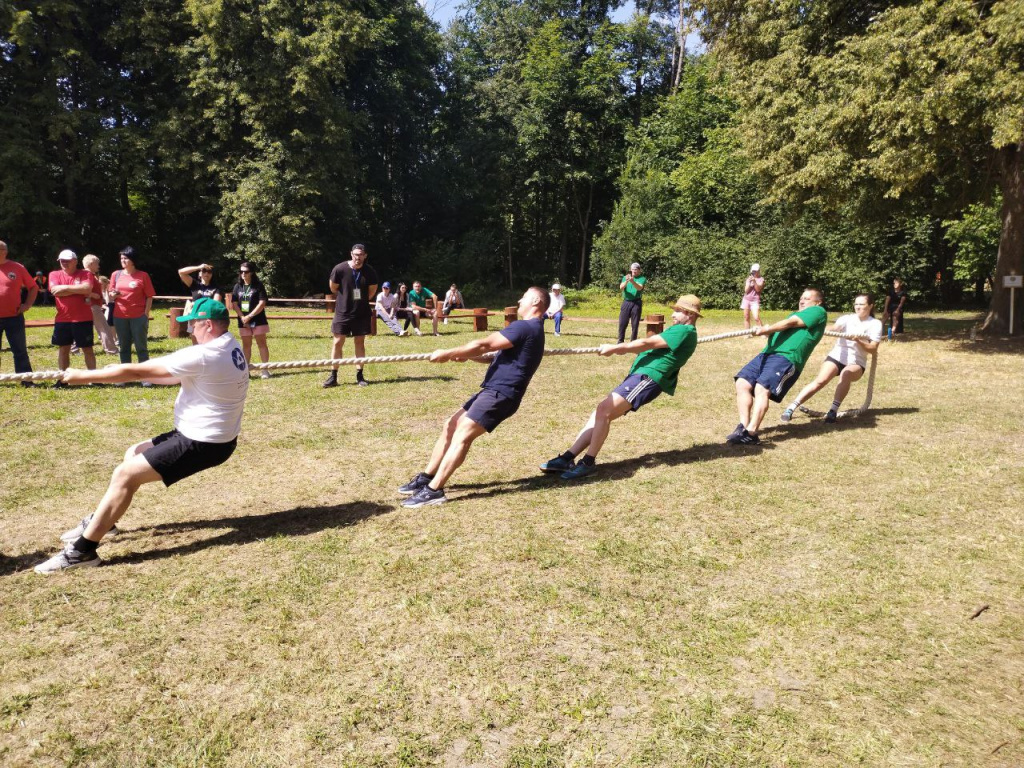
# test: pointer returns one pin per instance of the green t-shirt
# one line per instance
(419, 298)
(663, 365)
(796, 344)
(630, 293)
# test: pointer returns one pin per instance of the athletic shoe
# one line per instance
(786, 416)
(73, 535)
(579, 471)
(332, 380)
(830, 417)
(437, 334)
(28, 384)
(446, 321)
(557, 333)
(748, 438)
(425, 497)
(401, 333)
(67, 559)
(264, 374)
(362, 383)
(557, 464)
(147, 384)
(736, 434)
(417, 331)
(60, 385)
(420, 481)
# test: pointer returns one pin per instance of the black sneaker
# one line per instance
(60, 385)
(28, 384)
(557, 464)
(830, 417)
(332, 380)
(420, 481)
(361, 382)
(736, 434)
(748, 438)
(425, 497)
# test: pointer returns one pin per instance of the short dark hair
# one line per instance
(545, 297)
(128, 252)
(357, 247)
(821, 293)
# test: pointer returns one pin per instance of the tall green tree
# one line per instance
(915, 107)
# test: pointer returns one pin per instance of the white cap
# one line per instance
(755, 267)
(635, 265)
(67, 255)
(556, 287)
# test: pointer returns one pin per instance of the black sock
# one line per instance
(568, 456)
(359, 374)
(85, 545)
(589, 460)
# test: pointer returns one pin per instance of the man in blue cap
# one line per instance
(387, 309)
(214, 381)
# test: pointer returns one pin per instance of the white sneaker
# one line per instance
(557, 333)
(67, 559)
(401, 333)
(417, 330)
(74, 534)
(446, 321)
(264, 374)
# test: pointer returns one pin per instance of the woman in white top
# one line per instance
(847, 359)
(752, 288)
(556, 307)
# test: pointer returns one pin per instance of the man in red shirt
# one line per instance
(73, 290)
(13, 278)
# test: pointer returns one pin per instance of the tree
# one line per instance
(886, 106)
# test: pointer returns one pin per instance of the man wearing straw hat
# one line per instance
(654, 371)
(214, 379)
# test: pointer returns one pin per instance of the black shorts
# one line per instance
(489, 408)
(64, 334)
(836, 363)
(176, 457)
(351, 326)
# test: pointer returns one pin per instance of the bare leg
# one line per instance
(583, 438)
(247, 347)
(89, 355)
(466, 431)
(128, 476)
(850, 374)
(744, 400)
(827, 372)
(360, 342)
(433, 315)
(746, 317)
(443, 441)
(63, 358)
(337, 347)
(759, 409)
(757, 314)
(261, 342)
(609, 409)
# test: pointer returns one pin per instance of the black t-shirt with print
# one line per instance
(245, 297)
(346, 306)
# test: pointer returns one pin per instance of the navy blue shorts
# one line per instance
(66, 333)
(638, 389)
(489, 408)
(773, 372)
(175, 457)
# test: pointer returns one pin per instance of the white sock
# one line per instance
(835, 405)
(794, 405)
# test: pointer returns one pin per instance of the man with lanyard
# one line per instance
(14, 278)
(73, 291)
(521, 348)
(654, 371)
(771, 374)
(418, 302)
(214, 381)
(632, 287)
(354, 284)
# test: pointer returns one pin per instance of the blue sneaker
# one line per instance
(557, 464)
(580, 471)
(749, 438)
(830, 417)
(425, 497)
(786, 416)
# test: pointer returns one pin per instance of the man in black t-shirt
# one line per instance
(520, 348)
(354, 284)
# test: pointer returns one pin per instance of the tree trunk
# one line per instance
(584, 228)
(1011, 240)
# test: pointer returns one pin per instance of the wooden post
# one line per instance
(330, 301)
(511, 314)
(655, 324)
(373, 323)
(177, 330)
(480, 319)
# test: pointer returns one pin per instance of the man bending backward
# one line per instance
(520, 348)
(214, 381)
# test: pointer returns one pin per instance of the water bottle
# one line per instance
(890, 333)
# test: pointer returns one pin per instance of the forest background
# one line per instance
(838, 144)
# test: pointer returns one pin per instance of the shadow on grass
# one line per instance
(300, 521)
(625, 468)
(16, 564)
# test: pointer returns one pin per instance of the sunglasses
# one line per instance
(206, 270)
(245, 271)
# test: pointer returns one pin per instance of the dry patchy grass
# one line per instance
(808, 603)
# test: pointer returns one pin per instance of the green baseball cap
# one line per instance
(206, 309)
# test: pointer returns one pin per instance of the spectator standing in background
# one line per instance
(632, 287)
(74, 290)
(752, 288)
(557, 305)
(895, 302)
(248, 300)
(132, 292)
(354, 284)
(203, 288)
(14, 279)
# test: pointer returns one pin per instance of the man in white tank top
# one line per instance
(214, 379)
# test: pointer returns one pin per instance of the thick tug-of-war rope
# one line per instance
(330, 363)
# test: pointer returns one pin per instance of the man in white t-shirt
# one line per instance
(847, 359)
(214, 381)
(387, 309)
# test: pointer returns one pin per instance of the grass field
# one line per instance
(810, 602)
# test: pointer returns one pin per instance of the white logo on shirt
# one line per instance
(133, 284)
(238, 359)
(11, 276)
